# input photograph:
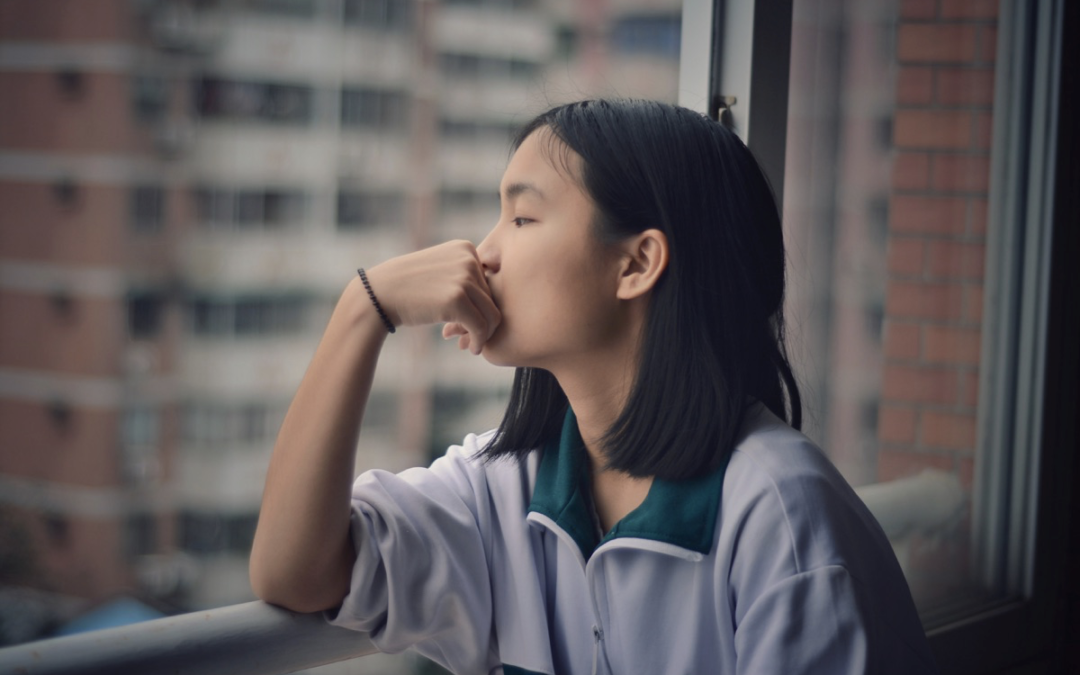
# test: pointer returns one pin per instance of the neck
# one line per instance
(596, 406)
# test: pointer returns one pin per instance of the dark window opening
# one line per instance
(145, 311)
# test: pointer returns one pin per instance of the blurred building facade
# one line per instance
(186, 186)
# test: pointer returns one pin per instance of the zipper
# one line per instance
(598, 637)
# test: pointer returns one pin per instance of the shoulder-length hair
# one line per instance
(713, 338)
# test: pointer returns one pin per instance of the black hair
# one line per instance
(713, 339)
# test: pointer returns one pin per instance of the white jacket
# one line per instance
(772, 565)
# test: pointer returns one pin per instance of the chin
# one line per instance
(493, 355)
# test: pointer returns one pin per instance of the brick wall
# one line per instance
(935, 255)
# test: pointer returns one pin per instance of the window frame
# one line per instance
(735, 56)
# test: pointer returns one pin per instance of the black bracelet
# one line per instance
(375, 301)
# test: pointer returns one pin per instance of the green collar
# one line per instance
(682, 513)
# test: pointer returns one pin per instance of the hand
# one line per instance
(441, 284)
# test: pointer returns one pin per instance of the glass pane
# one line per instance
(885, 204)
(263, 151)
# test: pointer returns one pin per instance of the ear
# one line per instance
(645, 257)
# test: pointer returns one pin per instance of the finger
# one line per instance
(452, 329)
(463, 342)
(489, 314)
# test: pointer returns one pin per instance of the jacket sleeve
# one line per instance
(810, 623)
(421, 576)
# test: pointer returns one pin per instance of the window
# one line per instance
(217, 98)
(475, 66)
(916, 161)
(374, 108)
(356, 209)
(140, 534)
(214, 424)
(248, 317)
(379, 14)
(147, 208)
(216, 533)
(145, 315)
(259, 208)
(140, 437)
(301, 9)
(150, 96)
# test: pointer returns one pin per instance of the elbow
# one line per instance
(295, 597)
(302, 593)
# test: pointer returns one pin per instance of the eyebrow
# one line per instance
(515, 189)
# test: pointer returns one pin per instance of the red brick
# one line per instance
(969, 389)
(905, 257)
(911, 171)
(978, 217)
(894, 464)
(896, 424)
(916, 384)
(933, 129)
(918, 9)
(902, 340)
(969, 9)
(924, 301)
(961, 173)
(973, 303)
(928, 215)
(984, 130)
(988, 43)
(935, 43)
(955, 260)
(951, 345)
(965, 86)
(915, 86)
(948, 431)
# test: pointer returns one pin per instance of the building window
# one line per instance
(145, 312)
(140, 534)
(248, 317)
(374, 108)
(379, 14)
(212, 424)
(206, 533)
(293, 9)
(267, 208)
(473, 66)
(147, 208)
(357, 210)
(149, 96)
(223, 99)
(140, 435)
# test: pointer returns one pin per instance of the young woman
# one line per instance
(645, 505)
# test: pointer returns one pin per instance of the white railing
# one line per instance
(249, 639)
(258, 639)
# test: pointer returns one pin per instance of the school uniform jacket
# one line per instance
(771, 564)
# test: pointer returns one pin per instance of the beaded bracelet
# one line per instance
(378, 308)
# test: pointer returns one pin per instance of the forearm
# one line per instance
(302, 556)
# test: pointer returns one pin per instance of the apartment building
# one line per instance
(185, 187)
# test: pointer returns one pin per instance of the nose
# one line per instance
(488, 252)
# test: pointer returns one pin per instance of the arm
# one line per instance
(302, 556)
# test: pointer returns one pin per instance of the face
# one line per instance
(553, 281)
